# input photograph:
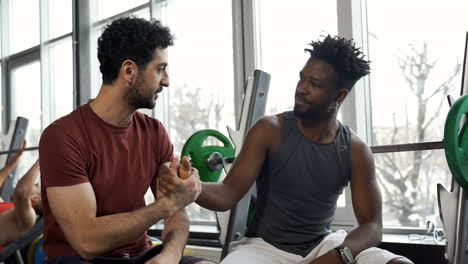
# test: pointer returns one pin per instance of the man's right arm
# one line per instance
(74, 208)
(245, 169)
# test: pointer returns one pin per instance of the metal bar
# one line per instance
(378, 149)
(408, 147)
(18, 150)
(459, 228)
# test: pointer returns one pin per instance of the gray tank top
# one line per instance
(298, 187)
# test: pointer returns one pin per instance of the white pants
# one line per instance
(256, 250)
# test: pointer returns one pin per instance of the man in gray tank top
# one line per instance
(301, 161)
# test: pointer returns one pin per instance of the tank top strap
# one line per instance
(290, 139)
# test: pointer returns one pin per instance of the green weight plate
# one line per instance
(456, 141)
(199, 153)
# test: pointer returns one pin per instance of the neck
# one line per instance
(323, 131)
(111, 105)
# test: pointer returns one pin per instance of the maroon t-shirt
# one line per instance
(119, 162)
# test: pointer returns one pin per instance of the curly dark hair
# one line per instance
(342, 54)
(130, 38)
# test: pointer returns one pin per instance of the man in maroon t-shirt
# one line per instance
(98, 162)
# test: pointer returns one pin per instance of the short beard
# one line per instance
(317, 113)
(136, 99)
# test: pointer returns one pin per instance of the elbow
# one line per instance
(228, 204)
(85, 250)
(378, 231)
(83, 245)
(223, 209)
(231, 198)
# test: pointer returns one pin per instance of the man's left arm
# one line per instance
(367, 200)
(174, 235)
(367, 204)
(175, 232)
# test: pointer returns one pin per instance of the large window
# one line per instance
(24, 25)
(201, 74)
(284, 30)
(38, 66)
(415, 65)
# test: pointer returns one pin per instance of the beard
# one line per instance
(140, 96)
(314, 111)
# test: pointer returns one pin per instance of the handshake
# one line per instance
(179, 182)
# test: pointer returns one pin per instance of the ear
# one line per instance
(129, 71)
(341, 95)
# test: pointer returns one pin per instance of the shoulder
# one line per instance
(154, 131)
(268, 125)
(63, 127)
(360, 151)
(270, 121)
(65, 137)
(144, 121)
(266, 132)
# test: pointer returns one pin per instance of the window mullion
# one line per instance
(47, 90)
(4, 38)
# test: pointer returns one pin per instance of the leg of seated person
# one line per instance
(369, 256)
(256, 250)
(377, 255)
(194, 260)
(401, 260)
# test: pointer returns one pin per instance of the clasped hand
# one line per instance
(179, 182)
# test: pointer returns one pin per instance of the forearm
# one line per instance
(175, 233)
(5, 171)
(216, 197)
(102, 234)
(363, 237)
(25, 184)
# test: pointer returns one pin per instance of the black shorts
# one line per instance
(140, 259)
